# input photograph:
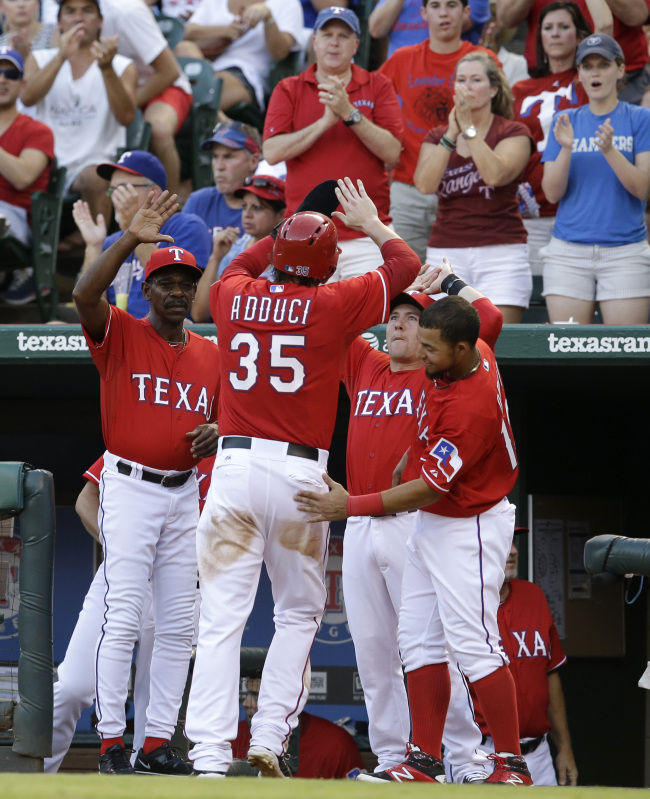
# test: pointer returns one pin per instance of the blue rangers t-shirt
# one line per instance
(188, 231)
(596, 207)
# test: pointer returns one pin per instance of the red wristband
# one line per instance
(366, 505)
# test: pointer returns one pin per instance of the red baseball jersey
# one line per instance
(294, 105)
(384, 404)
(93, 473)
(153, 394)
(327, 751)
(283, 345)
(631, 38)
(424, 82)
(531, 641)
(464, 446)
(536, 101)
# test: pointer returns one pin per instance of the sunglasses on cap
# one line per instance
(261, 183)
(11, 73)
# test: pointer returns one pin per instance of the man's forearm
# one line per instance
(382, 19)
(166, 71)
(40, 83)
(512, 12)
(286, 146)
(407, 496)
(120, 99)
(379, 141)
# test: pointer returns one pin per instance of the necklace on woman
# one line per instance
(462, 377)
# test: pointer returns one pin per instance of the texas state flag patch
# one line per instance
(449, 461)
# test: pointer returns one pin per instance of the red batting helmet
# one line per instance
(306, 245)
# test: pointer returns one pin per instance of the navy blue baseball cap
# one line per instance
(137, 162)
(13, 56)
(599, 44)
(337, 12)
(232, 134)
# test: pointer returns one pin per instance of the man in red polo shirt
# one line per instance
(335, 113)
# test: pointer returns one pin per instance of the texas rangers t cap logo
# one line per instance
(170, 256)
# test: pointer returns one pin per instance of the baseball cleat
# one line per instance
(509, 771)
(268, 763)
(475, 778)
(210, 774)
(418, 767)
(115, 761)
(162, 762)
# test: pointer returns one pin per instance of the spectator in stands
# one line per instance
(164, 93)
(22, 29)
(628, 17)
(597, 166)
(553, 87)
(327, 751)
(263, 208)
(236, 150)
(85, 92)
(336, 113)
(403, 23)
(242, 38)
(423, 77)
(474, 164)
(494, 37)
(131, 179)
(310, 9)
(26, 153)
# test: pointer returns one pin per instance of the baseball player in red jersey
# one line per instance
(531, 641)
(384, 390)
(285, 344)
(159, 383)
(465, 457)
(75, 688)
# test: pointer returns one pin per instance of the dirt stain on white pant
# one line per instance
(230, 537)
(304, 538)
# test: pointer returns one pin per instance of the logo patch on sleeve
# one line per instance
(448, 458)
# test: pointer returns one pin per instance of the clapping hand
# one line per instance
(563, 131)
(93, 233)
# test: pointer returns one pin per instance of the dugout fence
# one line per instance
(26, 576)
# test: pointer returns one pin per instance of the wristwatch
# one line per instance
(355, 117)
(470, 132)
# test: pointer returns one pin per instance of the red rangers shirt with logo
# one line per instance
(464, 447)
(531, 641)
(294, 105)
(384, 404)
(536, 101)
(153, 394)
(283, 345)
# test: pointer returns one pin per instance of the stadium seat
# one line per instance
(42, 255)
(206, 89)
(251, 114)
(172, 29)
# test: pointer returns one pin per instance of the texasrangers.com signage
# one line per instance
(516, 344)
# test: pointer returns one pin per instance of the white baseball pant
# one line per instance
(452, 576)
(147, 533)
(75, 689)
(374, 553)
(250, 517)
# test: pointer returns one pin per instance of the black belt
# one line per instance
(165, 480)
(244, 442)
(392, 515)
(526, 746)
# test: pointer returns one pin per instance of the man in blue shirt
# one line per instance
(132, 178)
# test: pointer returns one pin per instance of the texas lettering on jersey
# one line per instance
(384, 403)
(163, 391)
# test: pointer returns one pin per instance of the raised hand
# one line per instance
(439, 273)
(70, 40)
(563, 131)
(222, 241)
(358, 208)
(93, 233)
(152, 216)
